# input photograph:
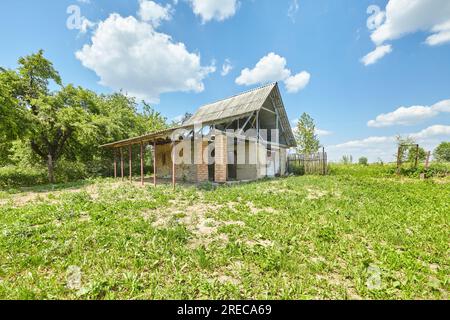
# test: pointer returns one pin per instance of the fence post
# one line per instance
(427, 161)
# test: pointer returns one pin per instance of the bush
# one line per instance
(12, 176)
(296, 169)
(434, 170)
(363, 161)
(67, 171)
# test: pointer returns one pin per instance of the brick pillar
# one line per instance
(221, 157)
(201, 165)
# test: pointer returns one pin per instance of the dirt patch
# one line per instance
(314, 194)
(195, 218)
(337, 280)
(263, 243)
(254, 210)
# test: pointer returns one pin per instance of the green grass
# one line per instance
(295, 238)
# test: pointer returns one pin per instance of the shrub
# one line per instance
(363, 161)
(296, 169)
(12, 176)
(67, 171)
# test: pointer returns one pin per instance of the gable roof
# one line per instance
(230, 108)
(244, 104)
(237, 105)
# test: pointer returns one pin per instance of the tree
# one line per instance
(363, 161)
(408, 150)
(52, 117)
(67, 124)
(347, 159)
(307, 140)
(442, 152)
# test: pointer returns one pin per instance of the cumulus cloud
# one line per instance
(384, 147)
(323, 133)
(433, 131)
(377, 54)
(409, 16)
(297, 82)
(226, 67)
(214, 9)
(154, 13)
(409, 115)
(402, 17)
(271, 68)
(131, 55)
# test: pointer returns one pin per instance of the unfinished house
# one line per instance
(244, 137)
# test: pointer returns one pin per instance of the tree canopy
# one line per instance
(306, 136)
(442, 152)
(69, 122)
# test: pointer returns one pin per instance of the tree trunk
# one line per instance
(50, 166)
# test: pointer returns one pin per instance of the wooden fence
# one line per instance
(315, 163)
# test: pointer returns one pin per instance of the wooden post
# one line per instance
(130, 166)
(398, 159)
(323, 160)
(427, 161)
(121, 163)
(154, 163)
(142, 163)
(416, 162)
(115, 163)
(173, 165)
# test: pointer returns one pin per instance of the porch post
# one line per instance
(115, 163)
(173, 165)
(129, 163)
(142, 163)
(121, 162)
(154, 163)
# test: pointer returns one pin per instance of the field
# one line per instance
(350, 235)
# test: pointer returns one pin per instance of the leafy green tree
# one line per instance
(363, 161)
(347, 159)
(307, 140)
(442, 152)
(408, 150)
(67, 124)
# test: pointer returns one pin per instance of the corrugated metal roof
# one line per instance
(240, 104)
(235, 106)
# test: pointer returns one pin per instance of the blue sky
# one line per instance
(172, 54)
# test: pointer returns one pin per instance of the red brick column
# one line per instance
(221, 157)
(201, 165)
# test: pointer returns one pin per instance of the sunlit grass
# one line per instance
(293, 238)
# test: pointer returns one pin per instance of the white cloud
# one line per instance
(441, 35)
(129, 54)
(384, 147)
(226, 67)
(323, 133)
(409, 115)
(409, 16)
(293, 9)
(433, 131)
(376, 54)
(214, 9)
(298, 82)
(154, 13)
(402, 17)
(271, 68)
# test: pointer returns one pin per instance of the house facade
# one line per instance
(243, 137)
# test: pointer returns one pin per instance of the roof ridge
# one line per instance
(239, 94)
